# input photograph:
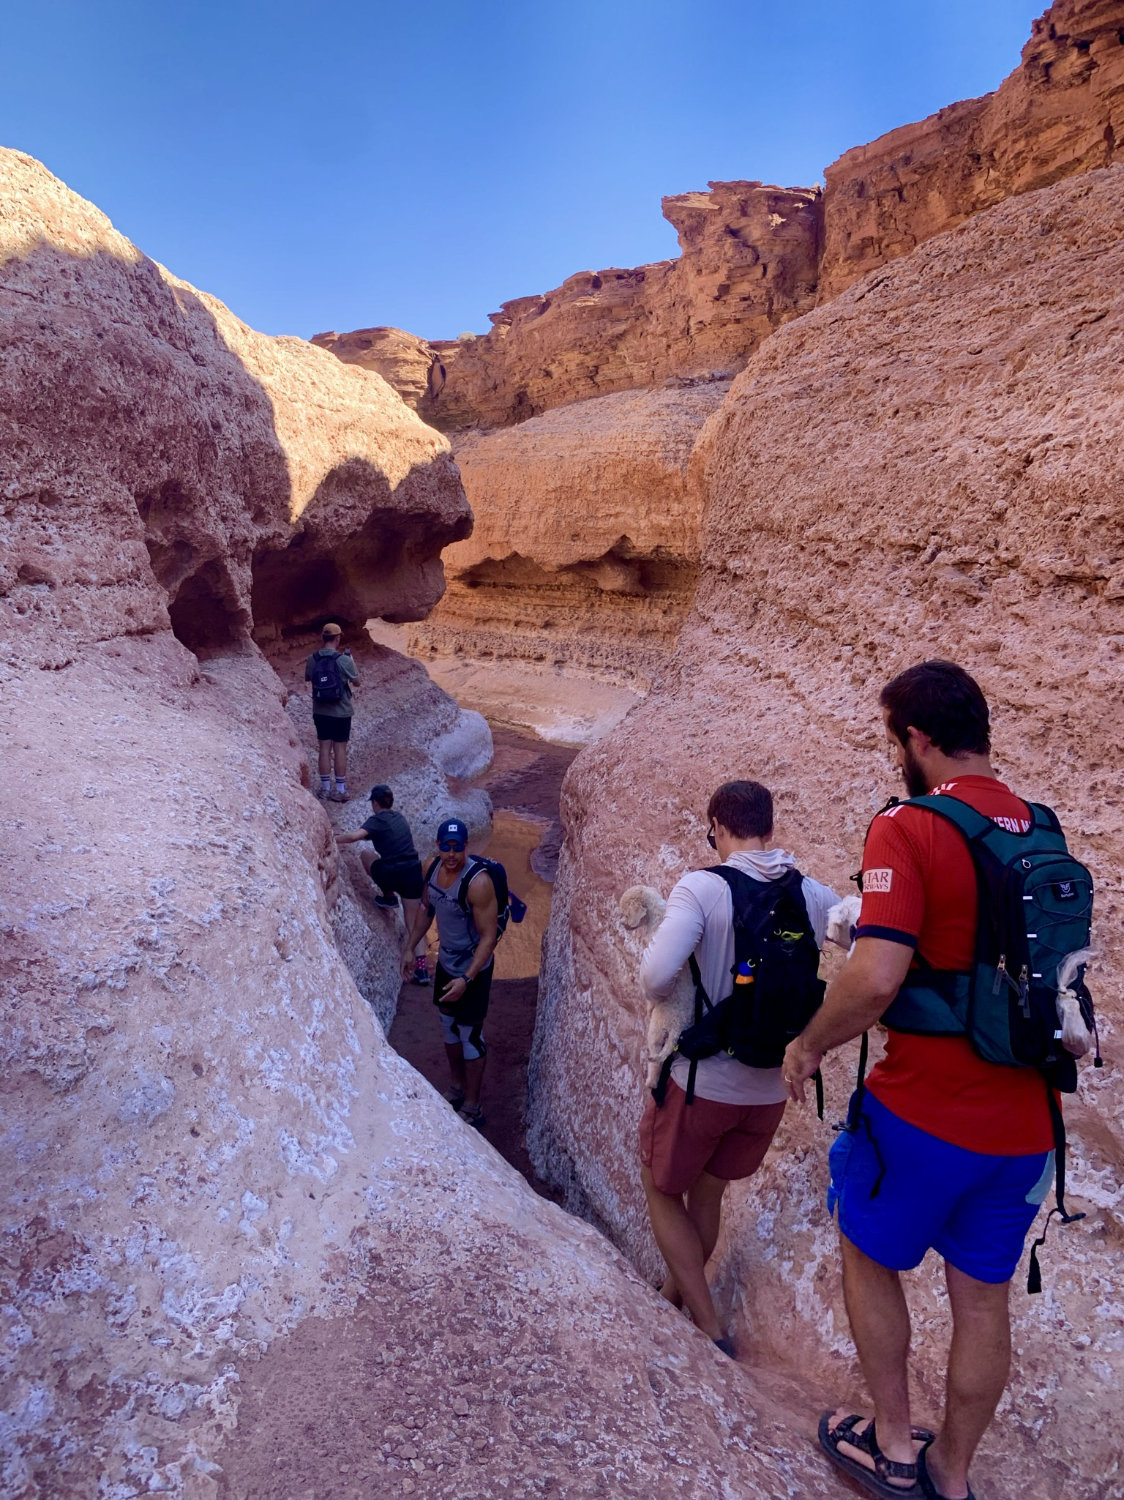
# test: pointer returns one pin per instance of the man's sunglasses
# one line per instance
(711, 839)
(450, 848)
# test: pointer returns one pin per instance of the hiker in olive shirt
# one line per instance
(332, 674)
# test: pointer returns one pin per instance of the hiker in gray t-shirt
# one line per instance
(468, 930)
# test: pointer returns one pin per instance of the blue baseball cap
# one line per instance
(453, 834)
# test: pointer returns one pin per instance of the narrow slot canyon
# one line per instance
(524, 783)
(660, 527)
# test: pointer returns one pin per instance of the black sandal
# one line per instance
(876, 1480)
(928, 1488)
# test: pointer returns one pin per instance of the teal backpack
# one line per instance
(1034, 909)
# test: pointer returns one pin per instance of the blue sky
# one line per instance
(336, 165)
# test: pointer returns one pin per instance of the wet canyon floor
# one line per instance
(524, 782)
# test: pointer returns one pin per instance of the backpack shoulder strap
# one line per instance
(972, 824)
(753, 900)
(475, 865)
(1044, 817)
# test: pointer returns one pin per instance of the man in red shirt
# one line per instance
(950, 1152)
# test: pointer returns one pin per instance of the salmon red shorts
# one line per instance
(678, 1141)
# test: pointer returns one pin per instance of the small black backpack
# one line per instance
(776, 988)
(510, 907)
(327, 679)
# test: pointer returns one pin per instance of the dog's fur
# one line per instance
(841, 921)
(642, 909)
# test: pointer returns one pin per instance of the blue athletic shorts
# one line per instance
(900, 1191)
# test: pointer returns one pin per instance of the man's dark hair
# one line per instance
(382, 795)
(744, 807)
(941, 700)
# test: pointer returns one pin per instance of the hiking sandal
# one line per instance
(928, 1488)
(473, 1117)
(455, 1097)
(876, 1480)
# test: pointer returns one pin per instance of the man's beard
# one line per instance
(916, 783)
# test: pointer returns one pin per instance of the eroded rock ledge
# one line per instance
(584, 557)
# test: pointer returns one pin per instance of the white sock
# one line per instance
(341, 784)
(325, 783)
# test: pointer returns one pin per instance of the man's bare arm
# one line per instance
(856, 998)
(486, 920)
(355, 837)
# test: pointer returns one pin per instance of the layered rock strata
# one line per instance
(753, 256)
(748, 263)
(585, 555)
(227, 1206)
(1061, 112)
(403, 360)
(927, 466)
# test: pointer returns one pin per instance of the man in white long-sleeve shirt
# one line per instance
(691, 1151)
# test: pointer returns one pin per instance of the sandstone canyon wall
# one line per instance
(927, 465)
(1061, 112)
(748, 263)
(247, 1251)
(585, 555)
(752, 258)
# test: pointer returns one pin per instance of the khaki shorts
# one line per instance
(680, 1141)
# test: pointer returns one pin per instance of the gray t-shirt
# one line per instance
(340, 708)
(456, 931)
(390, 833)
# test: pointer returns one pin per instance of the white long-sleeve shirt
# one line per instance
(700, 920)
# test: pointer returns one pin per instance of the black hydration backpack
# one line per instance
(508, 904)
(327, 679)
(776, 988)
(1034, 909)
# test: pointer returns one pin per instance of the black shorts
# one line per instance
(403, 880)
(336, 727)
(472, 1007)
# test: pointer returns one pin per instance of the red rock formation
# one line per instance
(257, 480)
(928, 465)
(1059, 113)
(748, 263)
(586, 551)
(247, 1250)
(403, 360)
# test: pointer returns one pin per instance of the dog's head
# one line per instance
(641, 905)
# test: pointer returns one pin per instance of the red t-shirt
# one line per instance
(919, 887)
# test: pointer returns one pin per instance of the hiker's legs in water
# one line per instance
(979, 1362)
(704, 1209)
(880, 1326)
(681, 1245)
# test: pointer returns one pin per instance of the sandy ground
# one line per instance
(524, 782)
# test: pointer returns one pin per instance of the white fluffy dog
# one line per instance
(841, 921)
(642, 909)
